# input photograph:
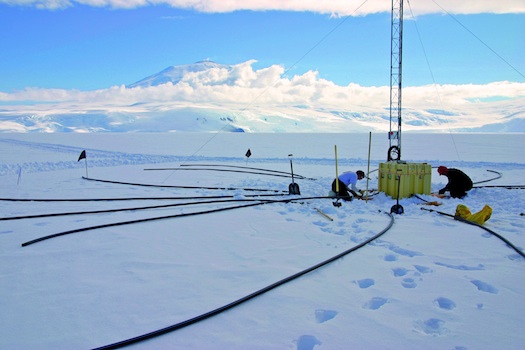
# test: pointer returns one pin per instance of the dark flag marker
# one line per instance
(83, 156)
(248, 153)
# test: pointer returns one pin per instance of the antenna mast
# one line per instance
(396, 51)
(396, 178)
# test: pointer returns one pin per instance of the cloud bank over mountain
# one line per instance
(334, 7)
(207, 96)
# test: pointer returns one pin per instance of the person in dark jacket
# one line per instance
(458, 182)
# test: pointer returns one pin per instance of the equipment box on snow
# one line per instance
(413, 178)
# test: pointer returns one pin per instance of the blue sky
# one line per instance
(87, 47)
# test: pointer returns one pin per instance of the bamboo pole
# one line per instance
(336, 173)
(368, 170)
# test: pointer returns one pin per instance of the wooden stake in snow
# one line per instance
(323, 214)
(368, 170)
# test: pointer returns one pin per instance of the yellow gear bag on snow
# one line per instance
(480, 217)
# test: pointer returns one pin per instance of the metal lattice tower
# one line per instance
(396, 51)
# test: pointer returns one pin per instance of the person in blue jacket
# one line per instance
(347, 184)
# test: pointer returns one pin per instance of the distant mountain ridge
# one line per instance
(206, 96)
(174, 74)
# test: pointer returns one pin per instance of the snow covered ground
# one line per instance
(429, 282)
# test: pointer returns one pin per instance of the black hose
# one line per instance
(132, 198)
(239, 167)
(224, 170)
(217, 311)
(126, 209)
(185, 187)
(494, 178)
(480, 226)
(509, 187)
(260, 171)
(162, 218)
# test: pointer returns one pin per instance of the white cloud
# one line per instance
(333, 7)
(245, 93)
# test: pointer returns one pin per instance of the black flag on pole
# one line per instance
(248, 153)
(82, 156)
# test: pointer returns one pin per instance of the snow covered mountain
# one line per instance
(206, 96)
(174, 74)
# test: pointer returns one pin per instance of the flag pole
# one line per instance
(19, 175)
(83, 156)
(248, 154)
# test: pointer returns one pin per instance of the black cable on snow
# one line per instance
(126, 209)
(230, 171)
(509, 187)
(261, 202)
(421, 198)
(235, 303)
(236, 166)
(480, 226)
(185, 187)
(494, 178)
(247, 167)
(134, 198)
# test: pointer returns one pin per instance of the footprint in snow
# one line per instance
(375, 303)
(398, 250)
(409, 283)
(399, 271)
(365, 283)
(307, 342)
(485, 287)
(462, 267)
(423, 269)
(390, 257)
(404, 252)
(356, 228)
(432, 326)
(516, 224)
(445, 303)
(320, 223)
(324, 315)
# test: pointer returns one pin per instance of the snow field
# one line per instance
(430, 282)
